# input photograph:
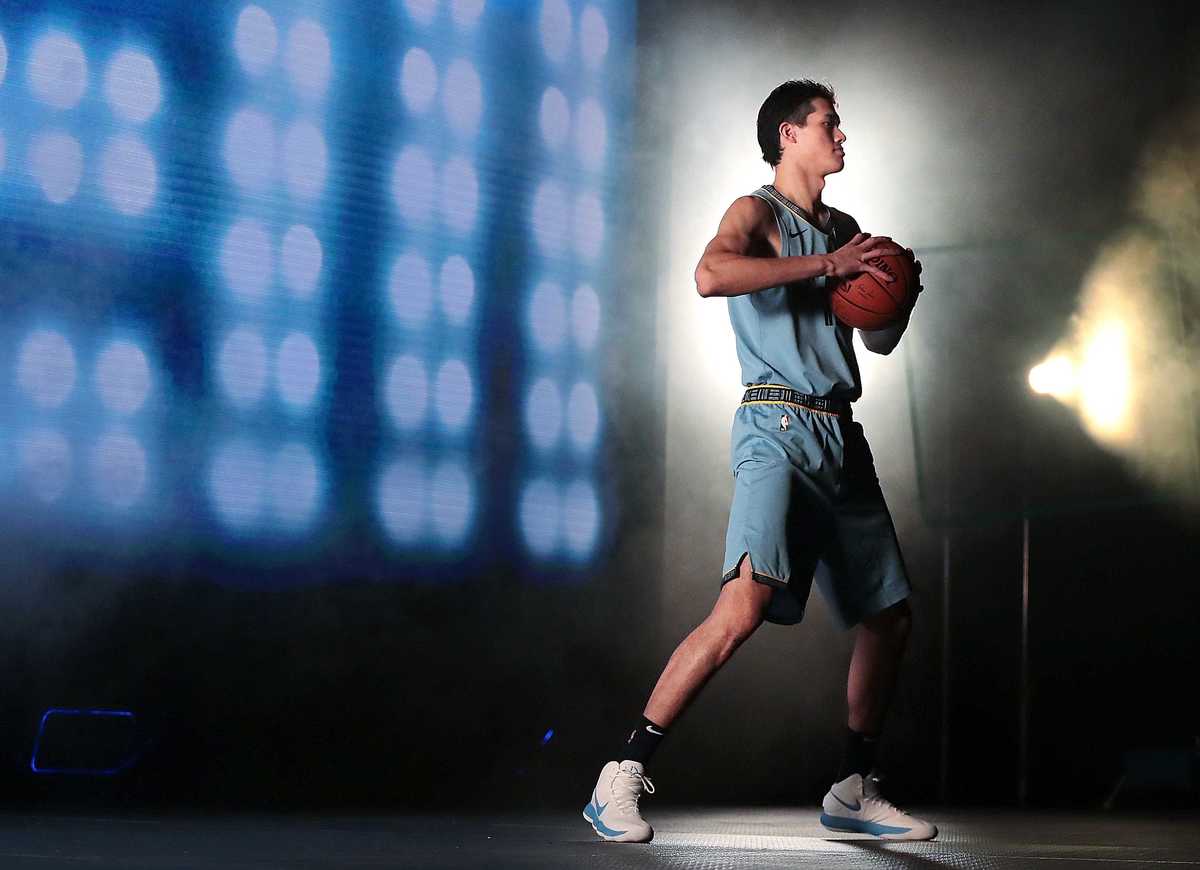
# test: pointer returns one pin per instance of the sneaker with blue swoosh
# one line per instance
(855, 805)
(613, 810)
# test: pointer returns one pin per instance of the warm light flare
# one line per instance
(1105, 379)
(1095, 376)
(1054, 377)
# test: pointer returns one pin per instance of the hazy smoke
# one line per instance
(1133, 342)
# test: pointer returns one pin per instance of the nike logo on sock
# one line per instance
(650, 728)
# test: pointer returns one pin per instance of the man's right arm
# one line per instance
(728, 268)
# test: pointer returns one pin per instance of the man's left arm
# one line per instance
(884, 340)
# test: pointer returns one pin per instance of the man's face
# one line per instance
(816, 146)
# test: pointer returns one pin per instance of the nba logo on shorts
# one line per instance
(783, 423)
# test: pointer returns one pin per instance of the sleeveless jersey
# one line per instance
(788, 335)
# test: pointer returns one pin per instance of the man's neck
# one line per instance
(801, 188)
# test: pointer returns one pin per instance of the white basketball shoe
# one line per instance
(855, 805)
(613, 809)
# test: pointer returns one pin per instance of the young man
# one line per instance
(806, 498)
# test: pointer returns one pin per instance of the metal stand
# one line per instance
(1023, 765)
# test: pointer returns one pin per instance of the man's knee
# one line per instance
(894, 624)
(740, 608)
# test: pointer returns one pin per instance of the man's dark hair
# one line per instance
(791, 101)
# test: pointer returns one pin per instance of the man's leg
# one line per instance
(854, 803)
(879, 645)
(613, 809)
(737, 613)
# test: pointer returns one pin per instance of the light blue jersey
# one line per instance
(806, 498)
(788, 335)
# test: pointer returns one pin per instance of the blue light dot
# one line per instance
(544, 414)
(456, 284)
(46, 458)
(548, 316)
(242, 367)
(554, 118)
(58, 72)
(247, 264)
(466, 12)
(593, 36)
(455, 394)
(132, 85)
(122, 377)
(585, 316)
(452, 502)
(460, 195)
(237, 484)
(540, 510)
(249, 149)
(119, 469)
(462, 96)
(56, 161)
(308, 59)
(421, 11)
(305, 160)
(589, 225)
(129, 174)
(295, 487)
(548, 736)
(591, 133)
(300, 259)
(583, 416)
(401, 498)
(581, 519)
(406, 392)
(256, 40)
(46, 368)
(413, 184)
(418, 80)
(555, 25)
(298, 370)
(549, 218)
(411, 289)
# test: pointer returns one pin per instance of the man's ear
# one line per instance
(787, 133)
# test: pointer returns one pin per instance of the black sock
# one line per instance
(642, 742)
(860, 754)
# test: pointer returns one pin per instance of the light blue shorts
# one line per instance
(807, 502)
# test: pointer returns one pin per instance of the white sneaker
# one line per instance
(613, 809)
(855, 805)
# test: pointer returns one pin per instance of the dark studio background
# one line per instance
(339, 668)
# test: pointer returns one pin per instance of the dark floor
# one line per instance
(702, 838)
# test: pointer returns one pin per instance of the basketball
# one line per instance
(866, 302)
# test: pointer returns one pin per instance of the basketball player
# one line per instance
(806, 499)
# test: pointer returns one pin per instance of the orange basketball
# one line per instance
(866, 302)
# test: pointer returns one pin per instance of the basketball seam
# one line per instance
(867, 310)
(847, 300)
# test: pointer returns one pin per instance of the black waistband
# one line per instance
(775, 393)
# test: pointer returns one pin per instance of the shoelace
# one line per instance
(877, 798)
(627, 797)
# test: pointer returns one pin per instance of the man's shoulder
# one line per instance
(752, 203)
(750, 211)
